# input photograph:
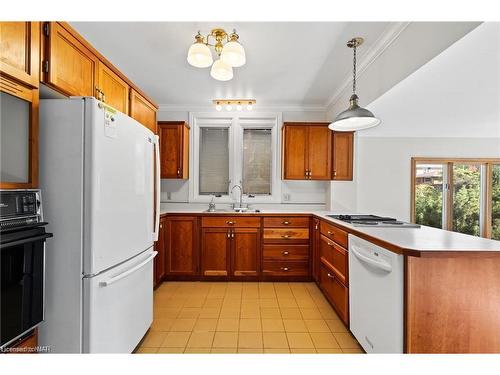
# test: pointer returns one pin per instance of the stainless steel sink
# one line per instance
(232, 211)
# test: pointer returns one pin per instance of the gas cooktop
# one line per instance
(373, 221)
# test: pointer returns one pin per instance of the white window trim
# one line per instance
(235, 159)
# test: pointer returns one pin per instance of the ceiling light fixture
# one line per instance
(230, 103)
(231, 54)
(355, 117)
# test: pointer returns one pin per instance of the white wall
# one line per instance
(448, 108)
(292, 192)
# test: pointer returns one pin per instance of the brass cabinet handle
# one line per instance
(316, 227)
(330, 275)
(285, 252)
(286, 223)
(103, 96)
(98, 93)
(228, 234)
(232, 234)
(331, 233)
(285, 236)
(230, 222)
(285, 269)
(334, 173)
(178, 171)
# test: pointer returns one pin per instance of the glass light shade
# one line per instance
(221, 71)
(218, 107)
(233, 54)
(229, 107)
(354, 118)
(239, 107)
(249, 107)
(199, 55)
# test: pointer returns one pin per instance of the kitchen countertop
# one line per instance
(423, 241)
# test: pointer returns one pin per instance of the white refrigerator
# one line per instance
(99, 175)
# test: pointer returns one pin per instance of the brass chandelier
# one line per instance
(231, 53)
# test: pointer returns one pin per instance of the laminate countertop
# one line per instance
(420, 242)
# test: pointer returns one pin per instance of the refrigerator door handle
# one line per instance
(130, 271)
(377, 264)
(156, 231)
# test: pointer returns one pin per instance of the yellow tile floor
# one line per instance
(245, 317)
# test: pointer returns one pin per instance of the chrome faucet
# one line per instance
(211, 205)
(241, 196)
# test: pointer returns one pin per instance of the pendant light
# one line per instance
(199, 54)
(355, 117)
(233, 53)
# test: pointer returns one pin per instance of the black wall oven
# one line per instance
(22, 263)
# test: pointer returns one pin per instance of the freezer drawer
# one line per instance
(118, 306)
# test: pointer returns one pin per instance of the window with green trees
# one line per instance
(462, 195)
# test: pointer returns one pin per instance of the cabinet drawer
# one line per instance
(335, 292)
(286, 252)
(230, 222)
(297, 235)
(286, 222)
(277, 268)
(336, 256)
(334, 233)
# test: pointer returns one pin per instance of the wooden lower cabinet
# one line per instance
(245, 249)
(181, 245)
(230, 252)
(336, 292)
(215, 247)
(315, 244)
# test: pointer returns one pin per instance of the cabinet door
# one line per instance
(215, 246)
(170, 136)
(343, 147)
(181, 246)
(72, 66)
(335, 292)
(20, 52)
(159, 263)
(142, 111)
(315, 249)
(245, 251)
(113, 89)
(320, 152)
(295, 152)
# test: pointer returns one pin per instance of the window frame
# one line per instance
(486, 194)
(236, 122)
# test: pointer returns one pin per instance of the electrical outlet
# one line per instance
(286, 197)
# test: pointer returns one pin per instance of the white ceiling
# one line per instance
(292, 64)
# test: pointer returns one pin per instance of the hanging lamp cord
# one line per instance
(354, 69)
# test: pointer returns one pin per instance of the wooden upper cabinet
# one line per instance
(320, 152)
(111, 89)
(142, 110)
(307, 153)
(343, 149)
(181, 239)
(20, 51)
(69, 66)
(295, 152)
(174, 149)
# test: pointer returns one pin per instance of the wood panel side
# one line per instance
(453, 305)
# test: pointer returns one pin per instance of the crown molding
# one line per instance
(378, 47)
(257, 107)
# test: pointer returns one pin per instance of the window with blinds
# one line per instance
(257, 161)
(214, 161)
